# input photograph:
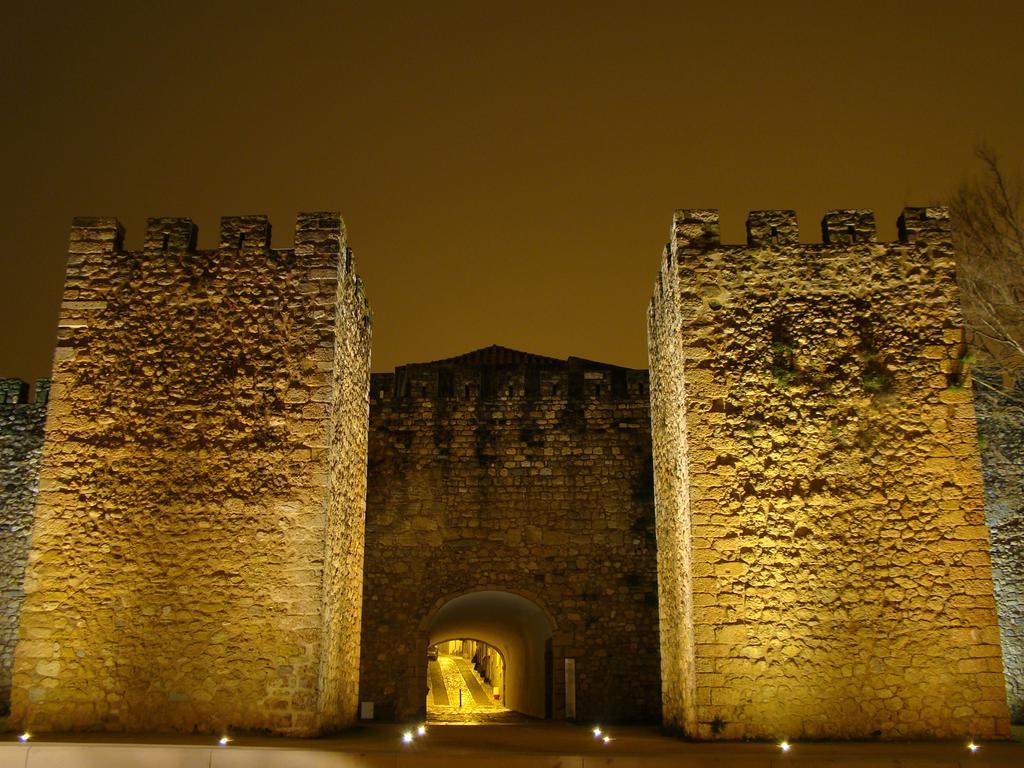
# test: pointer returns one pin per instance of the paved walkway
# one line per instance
(438, 690)
(472, 681)
(457, 693)
(533, 745)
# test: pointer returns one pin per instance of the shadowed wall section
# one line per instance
(21, 444)
(203, 456)
(823, 557)
(1001, 428)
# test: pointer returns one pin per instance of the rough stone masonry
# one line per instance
(525, 474)
(204, 458)
(822, 546)
(1001, 428)
(21, 444)
(822, 563)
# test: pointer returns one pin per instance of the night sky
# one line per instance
(507, 171)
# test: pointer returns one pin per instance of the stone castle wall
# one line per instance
(1001, 428)
(822, 563)
(206, 411)
(345, 525)
(822, 544)
(510, 472)
(21, 444)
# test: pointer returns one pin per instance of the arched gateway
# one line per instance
(517, 628)
(509, 501)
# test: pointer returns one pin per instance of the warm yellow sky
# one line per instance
(507, 171)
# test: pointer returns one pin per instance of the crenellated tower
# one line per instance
(204, 458)
(823, 557)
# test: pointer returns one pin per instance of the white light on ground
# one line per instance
(224, 741)
(421, 731)
(785, 746)
(973, 747)
(407, 737)
(597, 732)
(25, 736)
(606, 739)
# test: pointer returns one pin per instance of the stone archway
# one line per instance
(516, 626)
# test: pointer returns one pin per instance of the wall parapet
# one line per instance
(574, 379)
(698, 229)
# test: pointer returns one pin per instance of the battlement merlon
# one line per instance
(930, 224)
(95, 235)
(245, 234)
(321, 241)
(771, 228)
(848, 226)
(319, 230)
(695, 229)
(13, 391)
(169, 234)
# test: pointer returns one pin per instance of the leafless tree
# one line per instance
(988, 228)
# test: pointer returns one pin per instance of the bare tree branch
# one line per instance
(988, 228)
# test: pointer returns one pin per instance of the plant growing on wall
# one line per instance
(785, 371)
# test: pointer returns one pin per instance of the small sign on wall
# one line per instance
(570, 689)
(366, 710)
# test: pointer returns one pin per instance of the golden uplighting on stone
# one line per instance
(818, 484)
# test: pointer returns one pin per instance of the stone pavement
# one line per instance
(438, 690)
(457, 692)
(534, 745)
(472, 682)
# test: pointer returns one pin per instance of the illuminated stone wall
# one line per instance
(344, 531)
(505, 471)
(21, 443)
(1001, 427)
(206, 411)
(822, 544)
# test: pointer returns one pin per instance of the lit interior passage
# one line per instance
(464, 676)
(488, 652)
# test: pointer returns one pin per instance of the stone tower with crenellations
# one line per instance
(196, 556)
(822, 547)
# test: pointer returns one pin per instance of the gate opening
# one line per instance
(488, 658)
(465, 681)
